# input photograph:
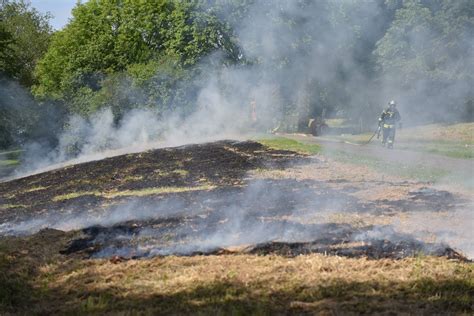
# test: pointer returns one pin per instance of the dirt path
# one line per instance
(403, 157)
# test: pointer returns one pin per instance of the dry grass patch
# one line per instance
(138, 193)
(73, 195)
(34, 189)
(164, 173)
(462, 132)
(152, 191)
(391, 192)
(252, 284)
(11, 206)
(132, 178)
(276, 174)
(183, 173)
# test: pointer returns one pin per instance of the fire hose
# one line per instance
(377, 132)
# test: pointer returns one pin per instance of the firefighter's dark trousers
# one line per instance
(388, 134)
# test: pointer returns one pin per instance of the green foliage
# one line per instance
(6, 52)
(423, 39)
(22, 119)
(131, 54)
(146, 46)
(431, 42)
(24, 37)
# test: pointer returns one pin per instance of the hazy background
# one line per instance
(134, 74)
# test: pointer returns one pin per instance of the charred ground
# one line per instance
(200, 199)
(225, 199)
(89, 184)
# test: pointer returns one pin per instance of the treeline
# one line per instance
(25, 36)
(340, 56)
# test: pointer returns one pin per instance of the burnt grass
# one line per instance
(76, 211)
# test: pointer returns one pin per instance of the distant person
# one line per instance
(387, 121)
(253, 111)
(253, 115)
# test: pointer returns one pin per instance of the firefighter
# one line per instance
(253, 121)
(253, 111)
(387, 121)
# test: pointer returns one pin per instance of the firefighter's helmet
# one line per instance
(392, 103)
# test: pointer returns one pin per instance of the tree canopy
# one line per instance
(24, 38)
(428, 50)
(308, 56)
(140, 38)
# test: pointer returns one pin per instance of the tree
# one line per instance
(6, 53)
(24, 38)
(106, 38)
(427, 52)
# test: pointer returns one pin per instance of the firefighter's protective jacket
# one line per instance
(389, 118)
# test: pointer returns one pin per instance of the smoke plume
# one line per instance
(301, 54)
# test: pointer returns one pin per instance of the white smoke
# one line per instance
(302, 54)
(291, 62)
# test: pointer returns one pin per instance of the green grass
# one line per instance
(456, 141)
(445, 148)
(452, 149)
(11, 154)
(10, 158)
(281, 143)
(418, 172)
(8, 163)
(441, 147)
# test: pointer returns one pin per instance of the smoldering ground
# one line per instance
(293, 66)
(260, 214)
(265, 213)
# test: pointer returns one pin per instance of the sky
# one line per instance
(60, 9)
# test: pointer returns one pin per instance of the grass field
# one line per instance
(282, 143)
(38, 279)
(236, 284)
(415, 171)
(9, 159)
(455, 141)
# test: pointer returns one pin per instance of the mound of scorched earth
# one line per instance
(201, 199)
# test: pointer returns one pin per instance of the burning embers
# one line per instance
(266, 217)
(131, 241)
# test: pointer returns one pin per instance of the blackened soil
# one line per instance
(267, 215)
(219, 164)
